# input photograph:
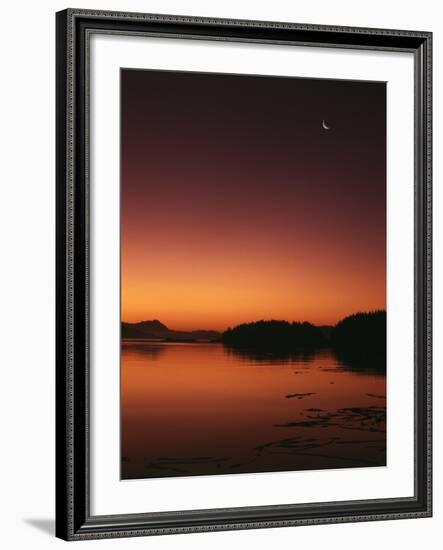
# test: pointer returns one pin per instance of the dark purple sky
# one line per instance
(238, 205)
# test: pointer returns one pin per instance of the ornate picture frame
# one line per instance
(74, 518)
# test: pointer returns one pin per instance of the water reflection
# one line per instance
(362, 364)
(347, 362)
(148, 348)
(268, 357)
(204, 409)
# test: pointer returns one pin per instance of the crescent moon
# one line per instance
(325, 126)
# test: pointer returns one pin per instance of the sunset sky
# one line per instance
(237, 205)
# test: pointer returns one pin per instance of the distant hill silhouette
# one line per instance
(361, 338)
(274, 336)
(155, 329)
(144, 329)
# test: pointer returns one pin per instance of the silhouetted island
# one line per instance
(155, 330)
(360, 339)
(274, 336)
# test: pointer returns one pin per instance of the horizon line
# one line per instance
(254, 321)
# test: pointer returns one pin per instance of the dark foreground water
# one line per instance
(202, 409)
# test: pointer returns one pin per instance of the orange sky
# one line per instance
(238, 206)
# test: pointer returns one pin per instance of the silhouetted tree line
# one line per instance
(274, 335)
(359, 339)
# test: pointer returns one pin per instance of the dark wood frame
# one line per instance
(73, 517)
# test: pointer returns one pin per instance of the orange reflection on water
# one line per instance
(190, 409)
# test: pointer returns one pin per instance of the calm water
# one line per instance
(190, 409)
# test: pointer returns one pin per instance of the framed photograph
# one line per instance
(243, 274)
